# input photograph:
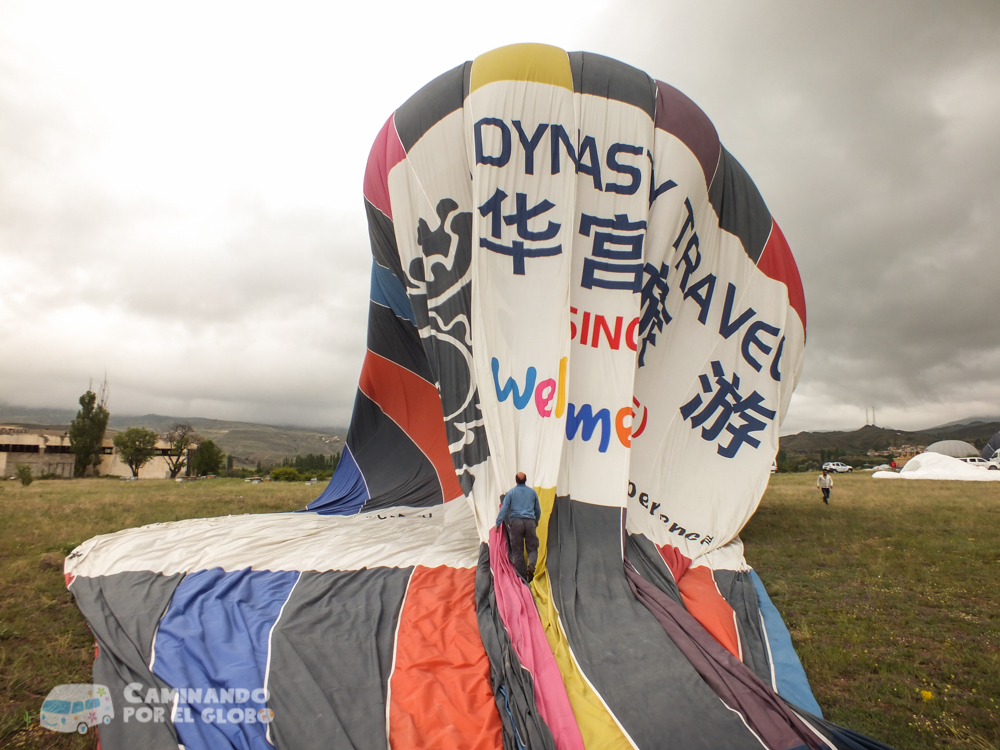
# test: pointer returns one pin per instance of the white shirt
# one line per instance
(824, 482)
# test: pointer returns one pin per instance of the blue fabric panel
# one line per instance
(346, 492)
(388, 291)
(214, 635)
(792, 683)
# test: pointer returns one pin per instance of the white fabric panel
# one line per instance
(520, 305)
(701, 464)
(612, 206)
(398, 537)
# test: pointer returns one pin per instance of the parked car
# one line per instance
(991, 464)
(975, 461)
(837, 467)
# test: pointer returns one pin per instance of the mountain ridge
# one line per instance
(248, 442)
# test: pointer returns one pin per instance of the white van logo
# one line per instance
(76, 708)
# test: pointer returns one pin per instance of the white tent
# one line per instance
(953, 448)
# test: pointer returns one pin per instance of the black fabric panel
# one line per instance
(123, 611)
(642, 676)
(513, 687)
(331, 657)
(603, 76)
(991, 447)
(840, 737)
(382, 236)
(397, 340)
(396, 471)
(739, 205)
(435, 101)
(648, 561)
(737, 589)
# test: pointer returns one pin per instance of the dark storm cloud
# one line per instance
(871, 130)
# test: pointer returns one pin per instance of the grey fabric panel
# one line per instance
(840, 737)
(643, 677)
(435, 101)
(765, 712)
(397, 340)
(646, 559)
(612, 79)
(123, 611)
(513, 687)
(409, 479)
(382, 236)
(737, 589)
(739, 206)
(331, 656)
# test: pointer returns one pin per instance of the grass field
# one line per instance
(891, 593)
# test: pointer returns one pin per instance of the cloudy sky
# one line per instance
(180, 187)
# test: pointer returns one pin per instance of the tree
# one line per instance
(135, 447)
(207, 459)
(286, 474)
(86, 432)
(24, 474)
(181, 437)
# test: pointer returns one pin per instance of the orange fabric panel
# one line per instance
(704, 601)
(415, 405)
(440, 693)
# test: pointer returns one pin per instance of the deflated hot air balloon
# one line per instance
(571, 278)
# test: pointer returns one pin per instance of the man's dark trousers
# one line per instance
(521, 534)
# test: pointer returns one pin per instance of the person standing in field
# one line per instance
(522, 513)
(824, 482)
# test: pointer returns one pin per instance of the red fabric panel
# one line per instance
(702, 598)
(386, 153)
(677, 562)
(682, 118)
(704, 601)
(440, 688)
(415, 405)
(776, 262)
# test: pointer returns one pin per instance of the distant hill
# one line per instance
(869, 437)
(247, 442)
(967, 420)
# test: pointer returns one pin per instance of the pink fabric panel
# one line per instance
(386, 153)
(520, 617)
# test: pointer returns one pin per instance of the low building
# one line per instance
(48, 453)
(45, 452)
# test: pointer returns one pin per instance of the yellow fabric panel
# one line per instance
(540, 63)
(597, 727)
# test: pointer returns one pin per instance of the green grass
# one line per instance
(44, 640)
(891, 590)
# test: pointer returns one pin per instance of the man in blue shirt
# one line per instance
(522, 512)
